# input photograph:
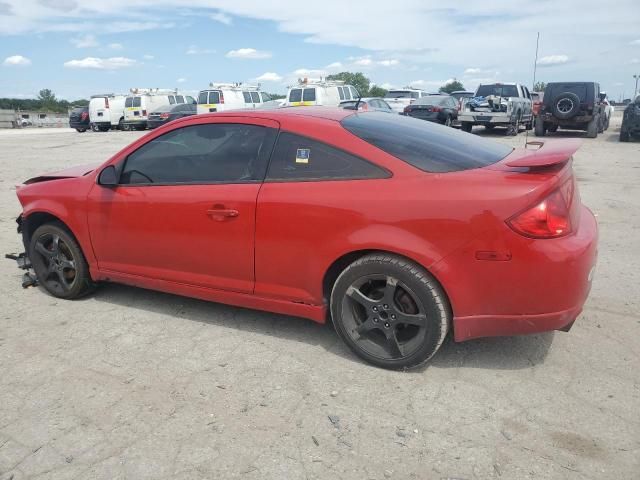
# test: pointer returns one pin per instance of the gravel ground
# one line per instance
(142, 385)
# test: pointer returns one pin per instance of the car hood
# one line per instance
(73, 172)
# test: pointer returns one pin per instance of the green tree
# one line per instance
(376, 91)
(47, 99)
(539, 86)
(357, 79)
(451, 86)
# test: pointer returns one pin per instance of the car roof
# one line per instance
(327, 113)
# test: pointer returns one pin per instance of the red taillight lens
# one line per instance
(436, 109)
(407, 109)
(144, 113)
(106, 102)
(84, 115)
(551, 218)
(364, 106)
(221, 98)
(164, 116)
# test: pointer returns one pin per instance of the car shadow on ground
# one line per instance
(504, 353)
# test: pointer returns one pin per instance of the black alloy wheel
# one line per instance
(389, 311)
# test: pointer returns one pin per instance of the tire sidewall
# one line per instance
(575, 100)
(430, 294)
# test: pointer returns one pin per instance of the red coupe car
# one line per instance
(397, 230)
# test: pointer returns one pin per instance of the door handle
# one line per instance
(220, 214)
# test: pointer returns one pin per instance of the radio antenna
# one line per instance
(535, 68)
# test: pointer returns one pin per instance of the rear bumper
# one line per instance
(136, 122)
(486, 118)
(73, 124)
(542, 287)
(156, 123)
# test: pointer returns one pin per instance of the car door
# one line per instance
(183, 209)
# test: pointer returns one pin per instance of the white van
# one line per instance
(400, 98)
(328, 93)
(106, 111)
(230, 96)
(143, 101)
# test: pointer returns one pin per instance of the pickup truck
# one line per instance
(498, 105)
(399, 99)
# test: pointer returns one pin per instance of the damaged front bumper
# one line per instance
(29, 279)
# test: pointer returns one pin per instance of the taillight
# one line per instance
(551, 218)
(106, 102)
(221, 98)
(83, 116)
(144, 113)
(407, 109)
(364, 106)
(436, 109)
(164, 116)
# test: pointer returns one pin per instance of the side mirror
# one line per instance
(108, 177)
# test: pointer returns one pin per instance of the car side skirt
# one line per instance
(317, 313)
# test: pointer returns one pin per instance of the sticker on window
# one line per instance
(302, 155)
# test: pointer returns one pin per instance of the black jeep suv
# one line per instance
(631, 121)
(572, 106)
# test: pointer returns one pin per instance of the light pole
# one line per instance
(635, 91)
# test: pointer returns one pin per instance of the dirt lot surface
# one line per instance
(141, 385)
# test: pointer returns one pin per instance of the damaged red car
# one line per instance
(398, 231)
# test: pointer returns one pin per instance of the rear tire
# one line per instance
(59, 263)
(466, 127)
(539, 129)
(81, 130)
(390, 311)
(592, 127)
(448, 121)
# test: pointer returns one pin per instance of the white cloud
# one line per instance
(334, 65)
(115, 46)
(363, 62)
(552, 60)
(249, 53)
(113, 63)
(635, 42)
(634, 61)
(181, 80)
(222, 18)
(195, 50)
(85, 41)
(16, 61)
(388, 63)
(148, 57)
(473, 71)
(269, 77)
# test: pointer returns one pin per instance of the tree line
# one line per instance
(46, 101)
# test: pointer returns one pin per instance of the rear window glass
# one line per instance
(128, 102)
(354, 92)
(295, 95)
(309, 95)
(172, 99)
(401, 94)
(265, 97)
(255, 97)
(179, 99)
(247, 97)
(137, 101)
(425, 145)
(341, 93)
(498, 90)
(203, 98)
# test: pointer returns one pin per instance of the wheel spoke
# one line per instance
(359, 297)
(419, 319)
(365, 327)
(62, 280)
(55, 244)
(68, 263)
(42, 250)
(390, 290)
(394, 347)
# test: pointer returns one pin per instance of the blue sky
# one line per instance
(77, 49)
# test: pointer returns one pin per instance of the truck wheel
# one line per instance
(624, 136)
(447, 122)
(566, 105)
(601, 125)
(390, 311)
(121, 124)
(103, 129)
(540, 129)
(466, 126)
(592, 127)
(81, 130)
(94, 127)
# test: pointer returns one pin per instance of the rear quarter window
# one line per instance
(295, 95)
(309, 95)
(425, 145)
(128, 102)
(137, 101)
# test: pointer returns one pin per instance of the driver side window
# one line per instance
(197, 154)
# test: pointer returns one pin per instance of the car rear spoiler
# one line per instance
(547, 154)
